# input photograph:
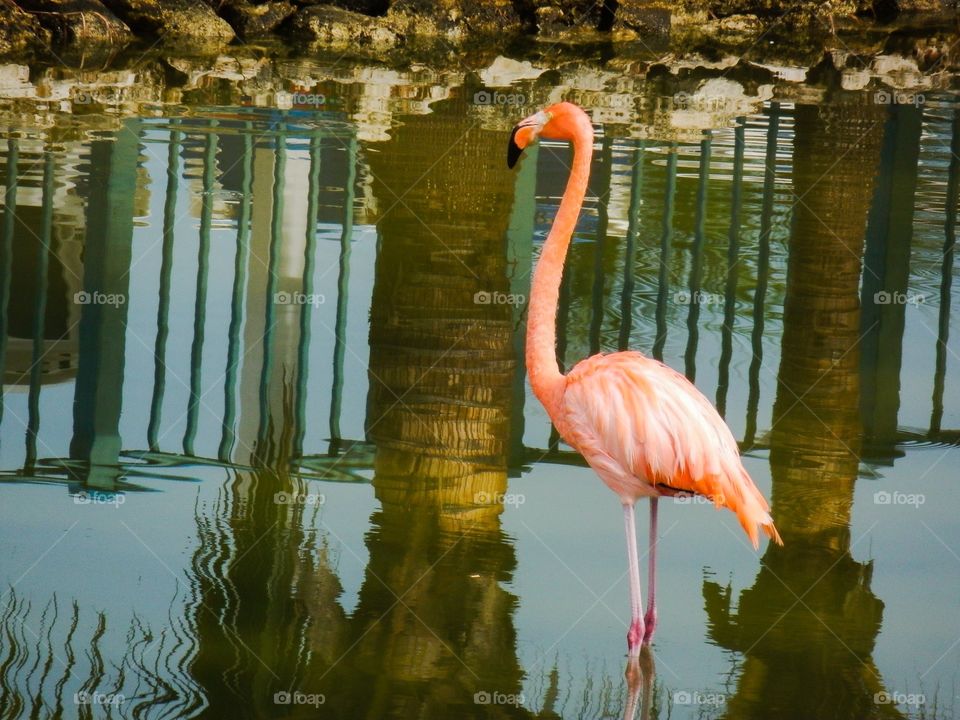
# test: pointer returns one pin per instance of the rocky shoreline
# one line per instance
(669, 83)
(90, 30)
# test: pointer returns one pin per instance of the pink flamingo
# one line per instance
(643, 427)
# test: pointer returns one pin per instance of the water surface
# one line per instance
(268, 450)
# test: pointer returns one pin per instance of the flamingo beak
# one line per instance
(513, 150)
(524, 133)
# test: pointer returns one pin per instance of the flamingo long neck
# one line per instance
(541, 353)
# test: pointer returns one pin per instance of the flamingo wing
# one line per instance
(648, 431)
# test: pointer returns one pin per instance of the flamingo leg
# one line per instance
(650, 619)
(636, 633)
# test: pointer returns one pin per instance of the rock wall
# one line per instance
(375, 26)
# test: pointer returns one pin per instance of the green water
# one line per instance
(268, 450)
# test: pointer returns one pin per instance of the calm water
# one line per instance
(267, 448)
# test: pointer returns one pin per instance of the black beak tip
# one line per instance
(513, 150)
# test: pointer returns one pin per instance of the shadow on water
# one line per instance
(315, 312)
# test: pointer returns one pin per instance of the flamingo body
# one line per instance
(647, 432)
(643, 427)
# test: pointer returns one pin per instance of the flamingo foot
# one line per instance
(649, 625)
(635, 636)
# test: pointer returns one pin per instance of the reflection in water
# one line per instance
(808, 624)
(58, 650)
(107, 256)
(886, 275)
(409, 376)
(441, 377)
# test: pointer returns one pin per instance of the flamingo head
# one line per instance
(561, 121)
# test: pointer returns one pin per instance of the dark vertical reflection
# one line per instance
(6, 255)
(166, 270)
(808, 625)
(44, 249)
(200, 306)
(602, 172)
(733, 260)
(107, 253)
(946, 274)
(666, 240)
(630, 252)
(763, 269)
(696, 268)
(886, 274)
(228, 437)
(270, 299)
(441, 455)
(306, 309)
(343, 283)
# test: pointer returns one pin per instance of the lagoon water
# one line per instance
(267, 447)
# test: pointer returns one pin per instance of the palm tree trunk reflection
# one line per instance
(434, 625)
(808, 625)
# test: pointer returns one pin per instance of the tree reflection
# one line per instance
(808, 625)
(434, 626)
